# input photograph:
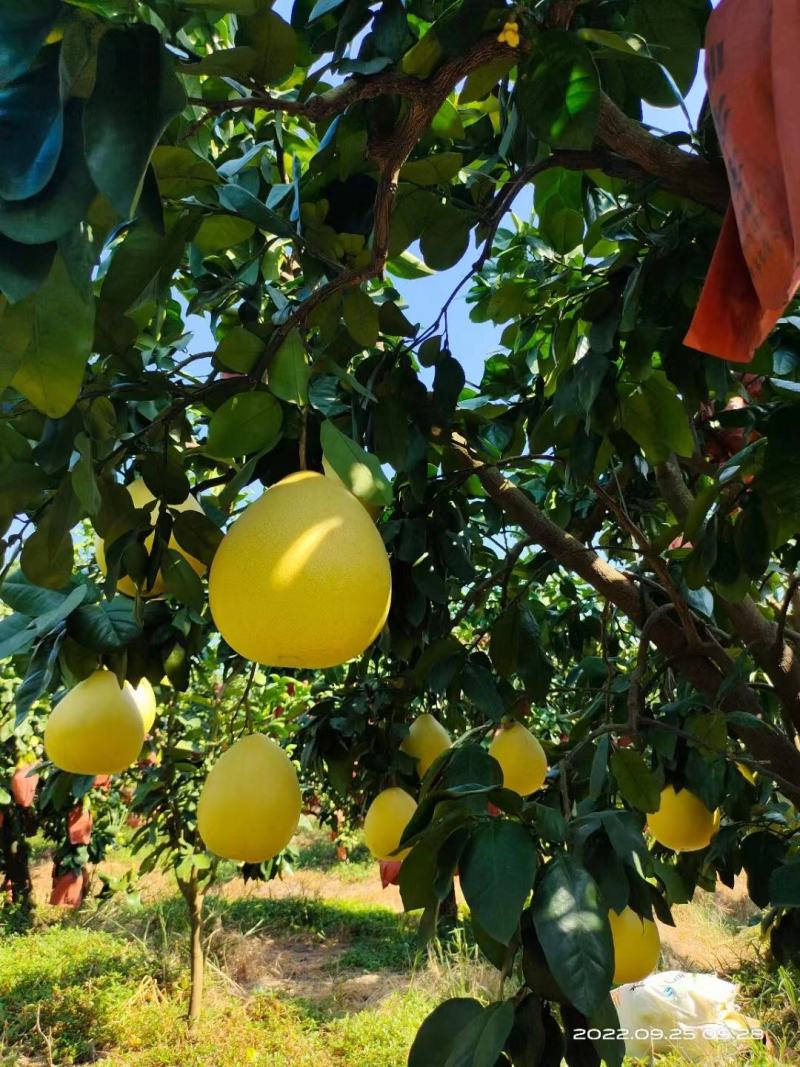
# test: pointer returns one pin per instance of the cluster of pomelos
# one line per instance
(302, 580)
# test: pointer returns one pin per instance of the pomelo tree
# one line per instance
(594, 536)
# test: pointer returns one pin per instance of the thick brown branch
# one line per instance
(689, 175)
(773, 750)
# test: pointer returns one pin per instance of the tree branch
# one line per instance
(773, 750)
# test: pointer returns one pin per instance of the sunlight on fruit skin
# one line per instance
(302, 578)
(426, 740)
(682, 822)
(637, 946)
(387, 817)
(97, 728)
(141, 497)
(145, 701)
(250, 802)
(521, 758)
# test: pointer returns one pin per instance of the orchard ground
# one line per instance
(320, 968)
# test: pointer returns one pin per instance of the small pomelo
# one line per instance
(141, 497)
(302, 577)
(387, 817)
(145, 701)
(96, 728)
(250, 802)
(521, 758)
(682, 822)
(427, 739)
(637, 946)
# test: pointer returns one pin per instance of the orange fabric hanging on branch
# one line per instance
(753, 75)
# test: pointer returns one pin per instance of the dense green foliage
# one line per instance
(177, 158)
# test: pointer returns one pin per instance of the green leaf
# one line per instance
(558, 92)
(238, 199)
(572, 925)
(448, 381)
(497, 872)
(31, 119)
(105, 626)
(17, 634)
(784, 886)
(164, 475)
(143, 265)
(480, 689)
(136, 95)
(407, 265)
(63, 201)
(361, 317)
(674, 39)
(179, 172)
(239, 350)
(438, 169)
(227, 63)
(275, 45)
(47, 555)
(483, 1038)
(23, 268)
(245, 423)
(197, 535)
(441, 1030)
(359, 470)
(83, 479)
(393, 322)
(481, 81)
(23, 29)
(45, 342)
(446, 238)
(181, 580)
(217, 233)
(637, 783)
(654, 415)
(289, 372)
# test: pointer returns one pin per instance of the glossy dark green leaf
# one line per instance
(289, 372)
(135, 96)
(361, 317)
(784, 886)
(165, 476)
(239, 350)
(238, 199)
(23, 29)
(448, 381)
(637, 783)
(674, 39)
(197, 535)
(23, 268)
(440, 1032)
(31, 119)
(181, 580)
(275, 45)
(245, 423)
(61, 204)
(572, 925)
(497, 871)
(558, 91)
(105, 626)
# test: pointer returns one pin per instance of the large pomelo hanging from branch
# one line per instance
(387, 818)
(683, 822)
(302, 578)
(97, 728)
(250, 803)
(142, 497)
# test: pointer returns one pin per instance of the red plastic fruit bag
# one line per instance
(23, 786)
(753, 81)
(79, 826)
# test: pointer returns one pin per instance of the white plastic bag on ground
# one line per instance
(682, 1011)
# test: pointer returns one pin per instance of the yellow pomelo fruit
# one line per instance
(362, 483)
(141, 497)
(96, 728)
(521, 758)
(427, 738)
(250, 802)
(387, 817)
(145, 701)
(637, 946)
(302, 578)
(683, 822)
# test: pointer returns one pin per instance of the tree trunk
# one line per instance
(195, 899)
(16, 857)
